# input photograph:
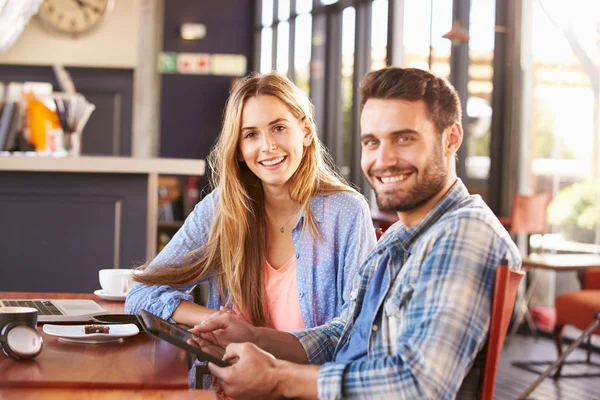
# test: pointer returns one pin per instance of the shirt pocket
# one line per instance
(393, 314)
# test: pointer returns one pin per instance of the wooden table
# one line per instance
(106, 394)
(562, 262)
(138, 362)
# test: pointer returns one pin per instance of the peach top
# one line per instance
(283, 300)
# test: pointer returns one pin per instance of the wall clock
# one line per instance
(74, 17)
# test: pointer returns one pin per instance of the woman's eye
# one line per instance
(249, 135)
(279, 128)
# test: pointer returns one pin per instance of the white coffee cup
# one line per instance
(116, 282)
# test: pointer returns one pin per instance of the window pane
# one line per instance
(267, 12)
(266, 48)
(283, 46)
(479, 103)
(421, 26)
(565, 128)
(379, 26)
(303, 6)
(348, 40)
(303, 51)
(283, 10)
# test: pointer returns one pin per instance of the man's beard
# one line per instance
(430, 181)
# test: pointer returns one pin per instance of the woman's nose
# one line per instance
(268, 144)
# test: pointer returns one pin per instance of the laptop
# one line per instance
(59, 310)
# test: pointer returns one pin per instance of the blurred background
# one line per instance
(158, 73)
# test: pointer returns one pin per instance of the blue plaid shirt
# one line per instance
(434, 319)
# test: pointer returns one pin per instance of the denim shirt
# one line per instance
(434, 319)
(325, 267)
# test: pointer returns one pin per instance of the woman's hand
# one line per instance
(225, 327)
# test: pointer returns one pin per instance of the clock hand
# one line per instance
(83, 4)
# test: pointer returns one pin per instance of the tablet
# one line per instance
(203, 349)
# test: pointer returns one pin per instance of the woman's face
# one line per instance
(272, 140)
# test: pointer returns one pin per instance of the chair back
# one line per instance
(529, 215)
(591, 279)
(506, 283)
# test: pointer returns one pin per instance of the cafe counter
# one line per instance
(63, 219)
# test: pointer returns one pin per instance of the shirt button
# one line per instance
(375, 328)
(297, 255)
(301, 295)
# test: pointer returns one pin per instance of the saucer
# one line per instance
(75, 333)
(110, 297)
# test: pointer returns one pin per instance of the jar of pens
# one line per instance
(73, 111)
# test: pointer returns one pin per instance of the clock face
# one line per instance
(73, 16)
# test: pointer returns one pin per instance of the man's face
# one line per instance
(402, 153)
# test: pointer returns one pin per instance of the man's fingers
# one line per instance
(220, 373)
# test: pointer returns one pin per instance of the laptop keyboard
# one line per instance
(44, 307)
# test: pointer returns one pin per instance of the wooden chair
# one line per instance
(506, 283)
(528, 216)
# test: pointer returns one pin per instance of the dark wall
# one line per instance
(60, 229)
(108, 131)
(192, 105)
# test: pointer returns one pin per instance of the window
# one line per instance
(319, 44)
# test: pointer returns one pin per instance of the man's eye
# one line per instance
(404, 139)
(370, 143)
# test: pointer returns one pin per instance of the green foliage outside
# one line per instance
(545, 138)
(575, 211)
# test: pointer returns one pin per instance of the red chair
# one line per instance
(503, 301)
(578, 309)
(528, 217)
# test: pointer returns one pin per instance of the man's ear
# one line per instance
(453, 137)
(308, 132)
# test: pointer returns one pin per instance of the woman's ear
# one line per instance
(308, 131)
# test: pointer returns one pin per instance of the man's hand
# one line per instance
(253, 374)
(256, 374)
(225, 327)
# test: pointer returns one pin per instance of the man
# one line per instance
(419, 310)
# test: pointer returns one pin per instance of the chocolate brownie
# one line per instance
(96, 329)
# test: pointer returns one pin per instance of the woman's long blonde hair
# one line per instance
(235, 251)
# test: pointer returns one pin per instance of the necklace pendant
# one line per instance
(281, 229)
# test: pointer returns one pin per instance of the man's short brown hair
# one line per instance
(414, 84)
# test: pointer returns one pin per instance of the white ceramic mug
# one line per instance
(116, 282)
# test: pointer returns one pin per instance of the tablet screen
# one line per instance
(202, 348)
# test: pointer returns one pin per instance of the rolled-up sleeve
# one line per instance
(162, 300)
(319, 343)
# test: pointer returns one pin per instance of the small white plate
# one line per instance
(110, 297)
(75, 333)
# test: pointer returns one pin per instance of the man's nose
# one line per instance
(385, 156)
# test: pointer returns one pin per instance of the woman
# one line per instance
(280, 237)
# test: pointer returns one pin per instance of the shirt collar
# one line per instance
(317, 208)
(456, 194)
